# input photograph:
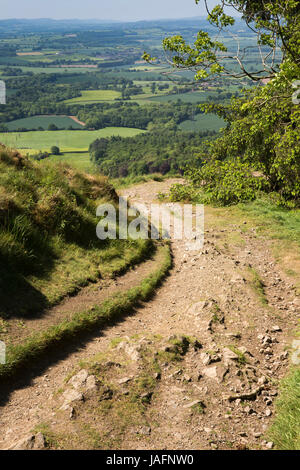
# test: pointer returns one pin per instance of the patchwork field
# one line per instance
(35, 122)
(65, 140)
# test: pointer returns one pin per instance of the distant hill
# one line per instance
(10, 26)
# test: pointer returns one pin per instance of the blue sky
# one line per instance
(125, 10)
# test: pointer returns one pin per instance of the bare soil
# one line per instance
(77, 120)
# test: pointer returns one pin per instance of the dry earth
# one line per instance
(197, 367)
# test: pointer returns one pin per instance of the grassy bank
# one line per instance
(285, 431)
(48, 244)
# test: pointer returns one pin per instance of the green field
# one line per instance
(67, 141)
(78, 160)
(94, 96)
(49, 69)
(192, 97)
(34, 122)
(202, 122)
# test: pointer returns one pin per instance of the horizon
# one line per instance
(198, 17)
(101, 10)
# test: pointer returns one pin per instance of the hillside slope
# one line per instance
(48, 243)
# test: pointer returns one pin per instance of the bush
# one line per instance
(181, 193)
(221, 183)
(264, 133)
(55, 150)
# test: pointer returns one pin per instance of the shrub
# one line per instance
(224, 183)
(55, 150)
(181, 193)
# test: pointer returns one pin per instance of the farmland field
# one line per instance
(65, 140)
(193, 97)
(203, 122)
(34, 122)
(49, 69)
(78, 160)
(94, 96)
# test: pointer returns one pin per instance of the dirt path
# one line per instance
(87, 297)
(241, 308)
(77, 120)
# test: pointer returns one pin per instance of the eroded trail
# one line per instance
(237, 310)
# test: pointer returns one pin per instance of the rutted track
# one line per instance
(208, 296)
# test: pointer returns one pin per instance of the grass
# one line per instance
(258, 286)
(98, 316)
(48, 244)
(49, 436)
(67, 141)
(94, 96)
(242, 360)
(268, 219)
(280, 226)
(34, 122)
(285, 430)
(280, 223)
(199, 408)
(78, 160)
(48, 249)
(132, 180)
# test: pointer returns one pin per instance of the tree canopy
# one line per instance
(275, 23)
(263, 125)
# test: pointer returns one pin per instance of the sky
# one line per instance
(124, 10)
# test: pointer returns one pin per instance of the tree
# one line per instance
(52, 127)
(275, 23)
(55, 150)
(263, 125)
